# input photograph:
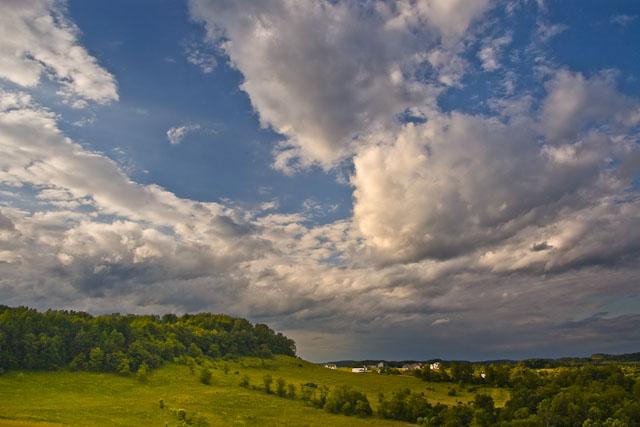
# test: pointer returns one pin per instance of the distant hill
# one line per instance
(530, 363)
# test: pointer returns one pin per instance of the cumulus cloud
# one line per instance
(36, 39)
(575, 101)
(459, 182)
(176, 134)
(468, 229)
(329, 75)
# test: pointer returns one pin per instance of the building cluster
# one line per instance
(380, 367)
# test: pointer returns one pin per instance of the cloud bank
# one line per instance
(36, 39)
(506, 232)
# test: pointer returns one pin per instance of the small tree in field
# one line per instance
(143, 373)
(268, 380)
(205, 376)
(244, 382)
(291, 391)
(281, 387)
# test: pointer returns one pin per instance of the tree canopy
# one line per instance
(123, 343)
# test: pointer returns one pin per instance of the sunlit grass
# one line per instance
(95, 399)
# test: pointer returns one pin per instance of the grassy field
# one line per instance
(95, 399)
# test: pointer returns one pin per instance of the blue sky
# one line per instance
(356, 174)
(144, 44)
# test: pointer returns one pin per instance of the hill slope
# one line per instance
(85, 398)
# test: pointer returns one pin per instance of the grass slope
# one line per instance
(95, 399)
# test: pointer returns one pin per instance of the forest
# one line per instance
(126, 343)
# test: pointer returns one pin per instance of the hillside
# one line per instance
(70, 368)
(87, 398)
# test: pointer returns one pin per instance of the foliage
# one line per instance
(345, 400)
(123, 343)
(281, 387)
(245, 381)
(205, 376)
(404, 405)
(267, 380)
(584, 396)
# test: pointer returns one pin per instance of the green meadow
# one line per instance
(102, 399)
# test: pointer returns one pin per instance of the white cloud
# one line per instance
(176, 134)
(440, 321)
(546, 31)
(622, 19)
(200, 57)
(575, 101)
(36, 39)
(331, 75)
(451, 18)
(459, 183)
(491, 50)
(508, 221)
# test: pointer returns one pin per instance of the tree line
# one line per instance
(126, 343)
(570, 396)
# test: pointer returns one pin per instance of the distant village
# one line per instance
(381, 367)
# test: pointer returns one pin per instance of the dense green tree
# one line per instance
(122, 343)
(345, 400)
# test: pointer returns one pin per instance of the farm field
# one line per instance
(95, 399)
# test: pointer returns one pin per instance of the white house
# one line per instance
(411, 367)
(330, 366)
(435, 366)
(359, 370)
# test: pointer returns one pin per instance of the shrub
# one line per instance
(404, 405)
(307, 392)
(205, 376)
(291, 391)
(347, 401)
(161, 404)
(181, 414)
(280, 387)
(267, 381)
(244, 382)
(143, 373)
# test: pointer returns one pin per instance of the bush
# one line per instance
(307, 392)
(143, 373)
(205, 376)
(181, 414)
(291, 391)
(404, 405)
(244, 382)
(280, 387)
(267, 380)
(345, 400)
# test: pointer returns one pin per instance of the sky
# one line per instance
(405, 179)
